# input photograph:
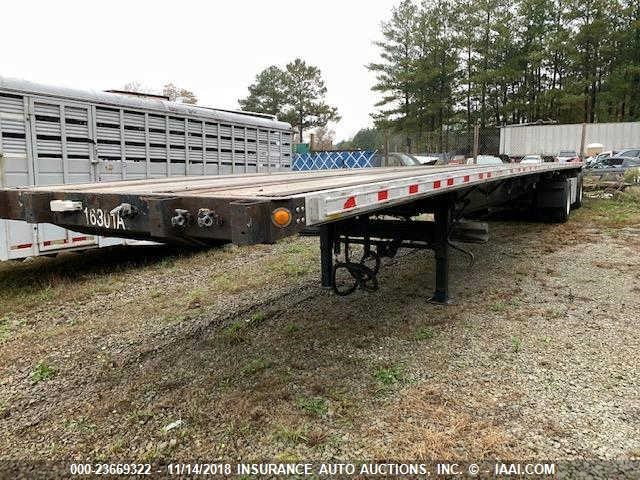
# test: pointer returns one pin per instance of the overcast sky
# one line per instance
(214, 48)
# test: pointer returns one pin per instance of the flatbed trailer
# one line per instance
(376, 208)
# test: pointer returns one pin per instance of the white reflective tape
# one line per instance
(335, 203)
(65, 206)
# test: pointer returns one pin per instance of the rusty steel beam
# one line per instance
(174, 219)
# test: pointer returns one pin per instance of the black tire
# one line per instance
(578, 202)
(560, 214)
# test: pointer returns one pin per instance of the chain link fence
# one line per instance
(447, 144)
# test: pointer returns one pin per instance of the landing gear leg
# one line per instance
(442, 216)
(326, 255)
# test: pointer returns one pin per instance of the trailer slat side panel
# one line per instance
(53, 135)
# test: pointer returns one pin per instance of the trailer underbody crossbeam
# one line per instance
(383, 237)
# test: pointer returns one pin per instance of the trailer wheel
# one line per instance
(578, 202)
(560, 214)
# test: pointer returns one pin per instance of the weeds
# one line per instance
(316, 406)
(291, 328)
(255, 366)
(196, 298)
(619, 211)
(257, 317)
(42, 371)
(516, 344)
(293, 436)
(290, 435)
(5, 327)
(424, 333)
(632, 175)
(81, 425)
(498, 307)
(230, 283)
(553, 313)
(140, 417)
(234, 333)
(295, 248)
(388, 376)
(289, 267)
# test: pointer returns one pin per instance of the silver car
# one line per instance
(485, 160)
(568, 156)
(528, 159)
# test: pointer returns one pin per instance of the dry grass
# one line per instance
(421, 424)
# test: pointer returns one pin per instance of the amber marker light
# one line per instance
(281, 217)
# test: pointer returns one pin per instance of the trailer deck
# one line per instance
(343, 207)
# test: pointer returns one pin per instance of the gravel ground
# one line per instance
(243, 355)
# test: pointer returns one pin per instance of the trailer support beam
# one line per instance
(326, 255)
(442, 217)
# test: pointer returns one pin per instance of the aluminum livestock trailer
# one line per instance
(376, 208)
(52, 135)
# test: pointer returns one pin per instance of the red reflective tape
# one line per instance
(449, 182)
(413, 188)
(79, 239)
(383, 195)
(481, 175)
(46, 243)
(465, 179)
(22, 245)
(436, 184)
(350, 203)
(488, 174)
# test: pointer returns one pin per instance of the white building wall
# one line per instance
(518, 140)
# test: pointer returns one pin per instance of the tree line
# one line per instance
(295, 94)
(446, 65)
(169, 90)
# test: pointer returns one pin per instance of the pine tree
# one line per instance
(394, 74)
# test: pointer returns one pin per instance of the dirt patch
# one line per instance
(239, 353)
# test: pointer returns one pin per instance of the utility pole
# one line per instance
(583, 140)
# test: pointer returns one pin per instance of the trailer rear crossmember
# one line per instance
(374, 207)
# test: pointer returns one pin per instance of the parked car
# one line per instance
(608, 162)
(457, 160)
(631, 163)
(601, 156)
(629, 153)
(426, 159)
(565, 156)
(615, 165)
(531, 159)
(486, 160)
(395, 159)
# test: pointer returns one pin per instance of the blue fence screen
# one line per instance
(332, 160)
